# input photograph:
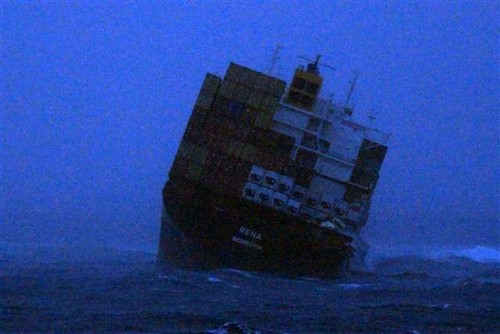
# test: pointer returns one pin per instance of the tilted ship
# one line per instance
(270, 177)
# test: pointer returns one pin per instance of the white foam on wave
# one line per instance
(215, 279)
(241, 272)
(313, 279)
(351, 286)
(478, 253)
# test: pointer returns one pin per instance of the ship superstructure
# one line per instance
(270, 177)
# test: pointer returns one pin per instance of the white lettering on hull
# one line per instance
(246, 243)
(248, 233)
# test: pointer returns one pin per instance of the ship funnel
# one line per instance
(313, 67)
(305, 87)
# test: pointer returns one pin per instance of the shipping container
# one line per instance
(264, 196)
(200, 154)
(279, 201)
(179, 167)
(292, 206)
(250, 191)
(271, 179)
(263, 120)
(205, 99)
(285, 184)
(256, 174)
(198, 118)
(194, 171)
(248, 153)
(248, 116)
(301, 175)
(186, 150)
(235, 148)
(211, 83)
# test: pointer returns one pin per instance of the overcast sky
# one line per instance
(95, 97)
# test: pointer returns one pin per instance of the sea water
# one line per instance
(61, 290)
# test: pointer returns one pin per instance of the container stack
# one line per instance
(229, 131)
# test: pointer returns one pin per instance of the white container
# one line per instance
(306, 212)
(285, 184)
(312, 200)
(327, 203)
(298, 193)
(271, 180)
(292, 207)
(264, 196)
(250, 191)
(257, 174)
(279, 200)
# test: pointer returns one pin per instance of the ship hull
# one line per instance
(206, 229)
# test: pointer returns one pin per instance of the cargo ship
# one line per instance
(270, 177)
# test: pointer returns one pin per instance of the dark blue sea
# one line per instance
(66, 290)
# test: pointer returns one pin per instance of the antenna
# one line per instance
(279, 71)
(351, 89)
(275, 58)
(372, 116)
(316, 62)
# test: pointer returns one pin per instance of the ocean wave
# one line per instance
(352, 286)
(233, 327)
(478, 253)
(215, 279)
(240, 272)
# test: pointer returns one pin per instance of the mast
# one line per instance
(351, 89)
(275, 58)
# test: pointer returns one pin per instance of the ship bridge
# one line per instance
(345, 155)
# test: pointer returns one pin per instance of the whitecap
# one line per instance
(351, 286)
(215, 279)
(241, 272)
(478, 253)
